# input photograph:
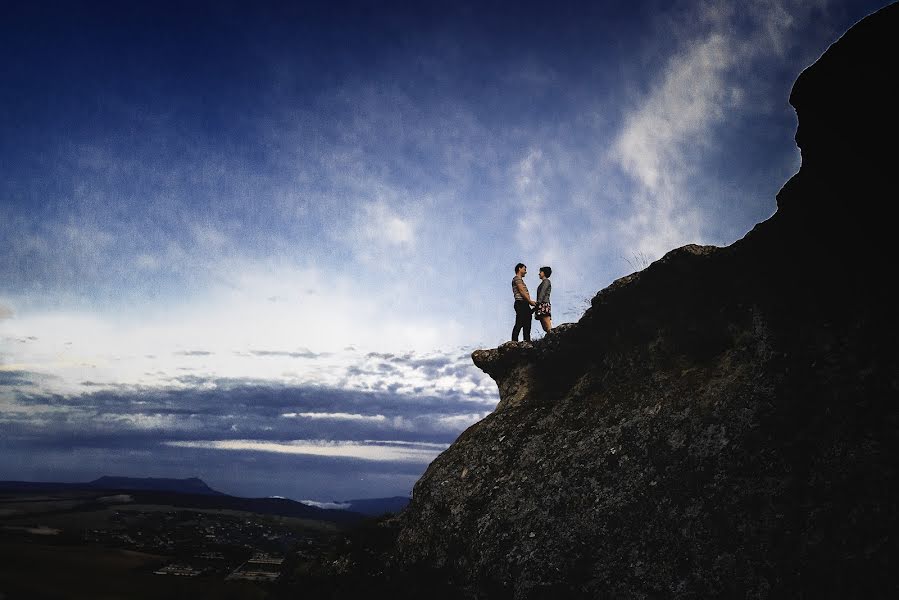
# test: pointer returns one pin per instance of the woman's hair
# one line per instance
(547, 271)
(518, 266)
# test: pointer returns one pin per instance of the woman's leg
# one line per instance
(547, 323)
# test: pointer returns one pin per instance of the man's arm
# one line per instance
(524, 293)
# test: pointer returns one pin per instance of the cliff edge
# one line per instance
(721, 424)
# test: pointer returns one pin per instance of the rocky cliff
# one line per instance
(724, 423)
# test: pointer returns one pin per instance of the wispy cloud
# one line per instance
(381, 230)
(691, 97)
(338, 416)
(669, 139)
(208, 238)
(531, 193)
(380, 224)
(655, 144)
(303, 353)
(368, 450)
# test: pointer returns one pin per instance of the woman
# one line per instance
(544, 308)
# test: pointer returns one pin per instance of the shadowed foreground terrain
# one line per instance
(117, 538)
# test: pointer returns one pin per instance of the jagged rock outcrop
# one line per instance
(723, 423)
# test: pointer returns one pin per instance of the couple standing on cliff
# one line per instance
(542, 308)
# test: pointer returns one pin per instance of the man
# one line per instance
(523, 304)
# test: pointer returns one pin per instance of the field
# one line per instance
(65, 546)
(44, 572)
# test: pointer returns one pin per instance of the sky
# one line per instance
(257, 242)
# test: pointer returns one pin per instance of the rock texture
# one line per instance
(724, 423)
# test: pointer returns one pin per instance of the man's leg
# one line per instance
(517, 328)
(522, 321)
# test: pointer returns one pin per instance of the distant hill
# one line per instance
(263, 506)
(191, 485)
(193, 492)
(37, 486)
(184, 493)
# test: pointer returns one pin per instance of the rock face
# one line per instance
(724, 423)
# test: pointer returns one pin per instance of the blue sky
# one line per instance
(257, 243)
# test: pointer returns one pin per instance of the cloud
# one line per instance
(242, 335)
(689, 100)
(202, 409)
(432, 365)
(327, 505)
(415, 373)
(462, 421)
(380, 231)
(335, 416)
(671, 136)
(252, 460)
(531, 193)
(304, 353)
(16, 378)
(148, 262)
(208, 237)
(6, 312)
(150, 422)
(656, 142)
(367, 450)
(393, 229)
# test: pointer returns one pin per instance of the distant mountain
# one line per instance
(263, 506)
(184, 493)
(378, 506)
(194, 492)
(191, 485)
(37, 486)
